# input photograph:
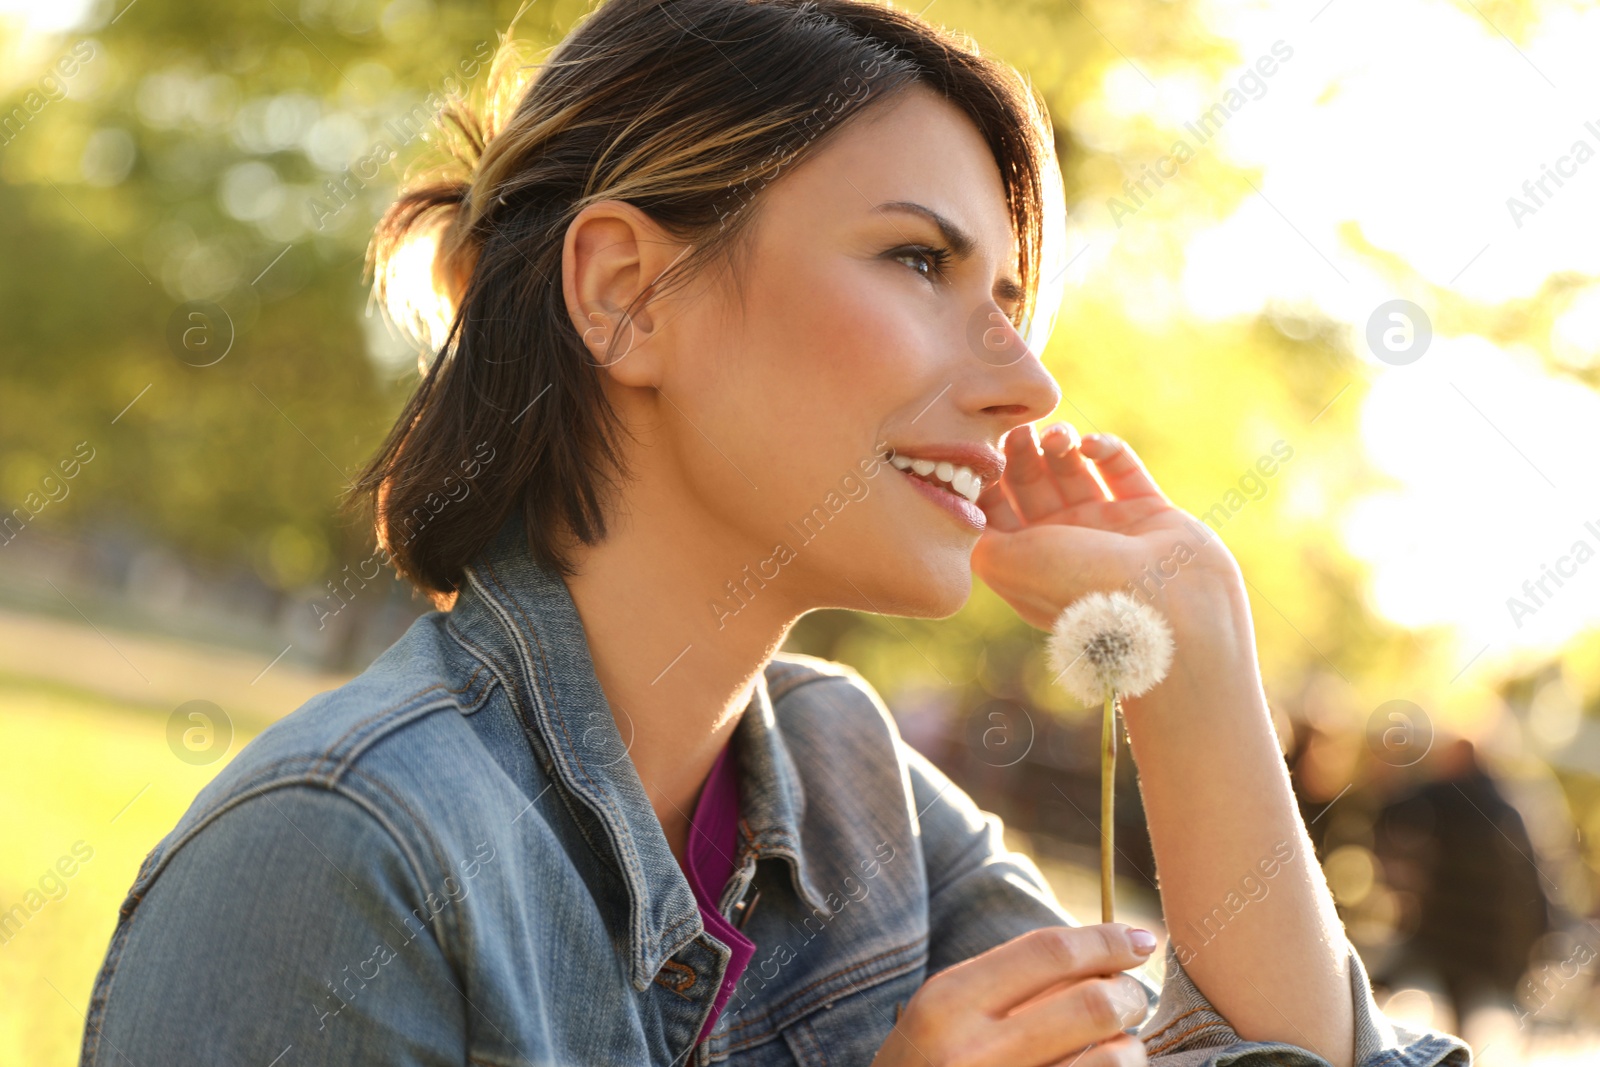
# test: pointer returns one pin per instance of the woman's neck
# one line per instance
(676, 671)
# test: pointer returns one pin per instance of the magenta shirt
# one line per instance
(713, 839)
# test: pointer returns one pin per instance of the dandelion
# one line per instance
(1103, 647)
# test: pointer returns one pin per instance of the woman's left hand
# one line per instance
(1055, 533)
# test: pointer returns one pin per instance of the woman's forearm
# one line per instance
(1245, 901)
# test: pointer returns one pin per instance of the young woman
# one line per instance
(715, 276)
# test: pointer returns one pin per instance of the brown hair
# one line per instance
(685, 109)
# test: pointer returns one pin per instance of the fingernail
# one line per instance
(1143, 941)
(1060, 439)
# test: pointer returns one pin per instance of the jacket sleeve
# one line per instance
(981, 895)
(288, 929)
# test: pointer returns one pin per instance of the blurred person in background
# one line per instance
(1460, 856)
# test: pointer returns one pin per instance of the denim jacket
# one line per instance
(451, 860)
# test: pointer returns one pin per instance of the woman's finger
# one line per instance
(1124, 475)
(1011, 974)
(1027, 480)
(1083, 1013)
(1041, 568)
(996, 507)
(1063, 454)
(1123, 1051)
(1114, 514)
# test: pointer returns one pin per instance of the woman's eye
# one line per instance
(935, 258)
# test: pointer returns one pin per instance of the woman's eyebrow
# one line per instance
(961, 243)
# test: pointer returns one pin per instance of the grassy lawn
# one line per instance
(87, 786)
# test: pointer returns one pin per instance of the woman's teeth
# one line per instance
(957, 478)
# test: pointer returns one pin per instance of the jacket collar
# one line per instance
(522, 615)
(771, 797)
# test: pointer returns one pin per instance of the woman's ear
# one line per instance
(611, 258)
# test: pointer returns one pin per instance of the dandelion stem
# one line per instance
(1108, 783)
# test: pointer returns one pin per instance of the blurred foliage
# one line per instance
(187, 161)
(192, 157)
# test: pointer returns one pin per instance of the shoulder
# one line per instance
(840, 736)
(833, 723)
(802, 685)
(395, 741)
(298, 882)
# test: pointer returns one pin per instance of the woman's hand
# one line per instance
(1216, 793)
(1055, 533)
(1038, 1000)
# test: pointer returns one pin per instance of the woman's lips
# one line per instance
(964, 511)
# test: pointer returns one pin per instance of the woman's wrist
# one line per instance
(1214, 670)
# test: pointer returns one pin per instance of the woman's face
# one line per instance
(861, 329)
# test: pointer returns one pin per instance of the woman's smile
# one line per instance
(947, 498)
(952, 477)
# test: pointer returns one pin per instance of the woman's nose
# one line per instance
(1005, 376)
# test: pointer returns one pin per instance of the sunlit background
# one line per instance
(1329, 265)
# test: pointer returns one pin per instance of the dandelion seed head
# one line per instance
(1109, 641)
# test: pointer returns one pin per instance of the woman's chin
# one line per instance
(954, 595)
(932, 592)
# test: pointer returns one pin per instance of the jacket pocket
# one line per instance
(848, 1031)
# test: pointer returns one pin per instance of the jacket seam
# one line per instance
(311, 775)
(375, 736)
(1430, 1044)
(778, 1024)
(471, 678)
(327, 755)
(1170, 1024)
(99, 998)
(428, 839)
(919, 944)
(555, 704)
(485, 662)
(474, 702)
(806, 1035)
(1178, 1040)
